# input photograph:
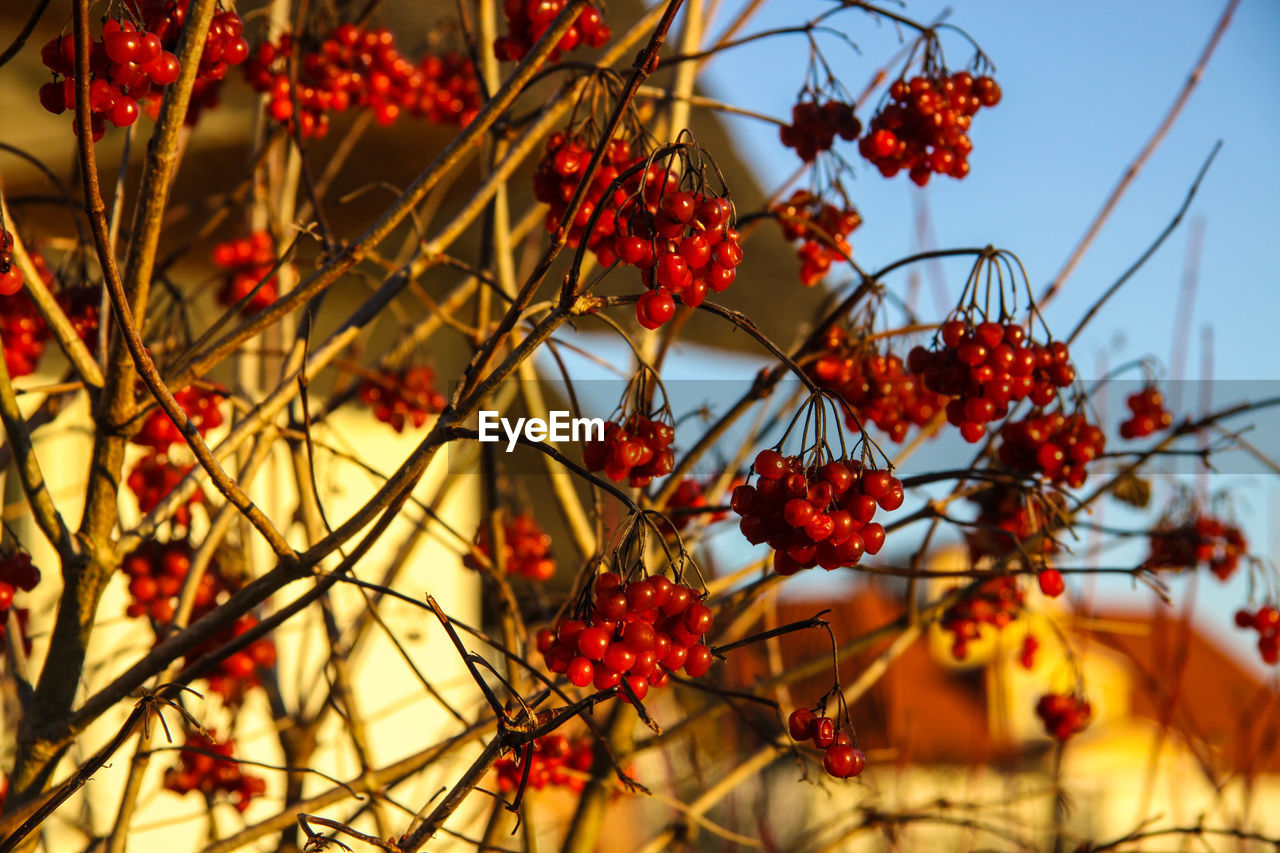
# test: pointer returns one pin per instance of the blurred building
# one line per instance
(1182, 734)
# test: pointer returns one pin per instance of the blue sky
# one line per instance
(1085, 84)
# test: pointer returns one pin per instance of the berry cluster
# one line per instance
(358, 67)
(127, 65)
(244, 263)
(206, 765)
(549, 760)
(153, 478)
(924, 128)
(1199, 541)
(10, 276)
(21, 325)
(16, 573)
(1055, 446)
(224, 46)
(642, 629)
(200, 405)
(24, 333)
(814, 127)
(841, 759)
(682, 243)
(237, 673)
(1008, 519)
(815, 516)
(805, 216)
(82, 306)
(1266, 621)
(1147, 414)
(526, 549)
(527, 20)
(875, 384)
(995, 602)
(1063, 714)
(691, 494)
(636, 450)
(986, 366)
(157, 571)
(450, 90)
(560, 170)
(406, 395)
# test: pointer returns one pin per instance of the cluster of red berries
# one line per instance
(224, 46)
(924, 129)
(986, 366)
(1147, 414)
(1063, 714)
(1008, 519)
(691, 494)
(10, 276)
(841, 759)
(127, 65)
(23, 328)
(16, 573)
(237, 673)
(1266, 621)
(157, 571)
(636, 450)
(549, 760)
(359, 67)
(527, 20)
(1199, 541)
(450, 90)
(405, 396)
(201, 407)
(805, 216)
(526, 549)
(682, 243)
(1056, 446)
(815, 516)
(641, 630)
(206, 765)
(24, 333)
(995, 602)
(244, 263)
(814, 127)
(82, 305)
(560, 170)
(151, 481)
(20, 321)
(876, 385)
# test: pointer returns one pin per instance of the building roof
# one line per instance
(928, 712)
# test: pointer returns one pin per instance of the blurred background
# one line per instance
(1187, 715)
